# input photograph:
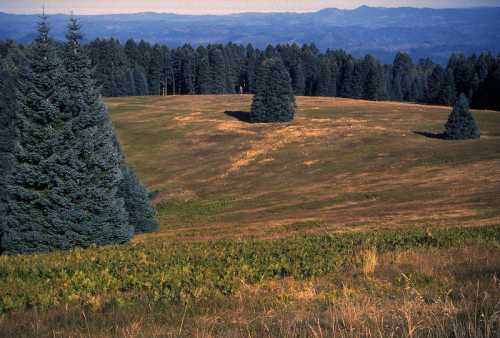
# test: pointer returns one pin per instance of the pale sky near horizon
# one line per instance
(82, 7)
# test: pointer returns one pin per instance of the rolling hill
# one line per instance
(431, 33)
(346, 221)
(341, 165)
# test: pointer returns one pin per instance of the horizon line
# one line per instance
(227, 13)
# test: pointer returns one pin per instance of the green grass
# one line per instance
(191, 212)
(169, 272)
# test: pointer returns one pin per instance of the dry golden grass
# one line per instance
(347, 164)
(370, 261)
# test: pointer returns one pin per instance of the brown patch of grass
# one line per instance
(274, 140)
(370, 261)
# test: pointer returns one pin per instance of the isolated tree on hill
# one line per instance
(461, 123)
(274, 100)
(63, 189)
(137, 202)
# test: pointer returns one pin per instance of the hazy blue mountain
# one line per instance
(381, 31)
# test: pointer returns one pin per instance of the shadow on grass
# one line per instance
(440, 136)
(242, 116)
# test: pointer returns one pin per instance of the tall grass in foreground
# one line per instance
(414, 293)
(413, 283)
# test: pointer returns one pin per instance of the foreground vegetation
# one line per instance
(166, 275)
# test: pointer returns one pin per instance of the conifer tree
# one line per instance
(141, 214)
(63, 189)
(274, 100)
(371, 87)
(447, 94)
(217, 69)
(461, 123)
(154, 71)
(7, 110)
(347, 79)
(324, 79)
(140, 81)
(251, 66)
(434, 85)
(298, 79)
(487, 94)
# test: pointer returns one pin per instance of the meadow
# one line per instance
(346, 222)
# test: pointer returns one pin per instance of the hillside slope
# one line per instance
(341, 165)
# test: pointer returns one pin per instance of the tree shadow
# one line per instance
(242, 116)
(440, 136)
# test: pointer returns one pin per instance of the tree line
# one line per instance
(140, 68)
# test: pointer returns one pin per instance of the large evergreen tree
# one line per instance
(325, 82)
(403, 74)
(217, 69)
(140, 81)
(487, 96)
(461, 123)
(434, 84)
(274, 100)
(447, 94)
(7, 110)
(63, 189)
(372, 78)
(346, 86)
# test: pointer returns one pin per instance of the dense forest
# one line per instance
(139, 68)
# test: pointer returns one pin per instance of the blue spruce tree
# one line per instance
(63, 189)
(7, 109)
(137, 202)
(274, 100)
(461, 123)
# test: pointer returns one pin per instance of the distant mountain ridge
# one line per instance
(423, 32)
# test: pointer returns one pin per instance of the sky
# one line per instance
(83, 7)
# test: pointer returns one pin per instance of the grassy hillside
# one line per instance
(342, 165)
(343, 223)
